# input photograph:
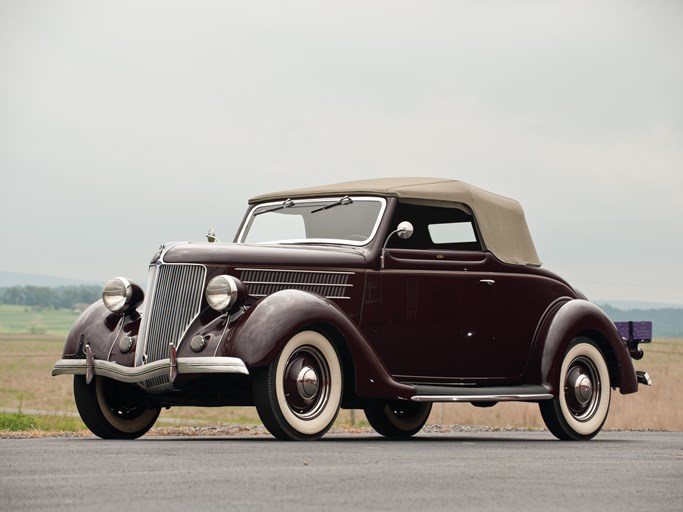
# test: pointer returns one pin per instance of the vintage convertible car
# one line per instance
(386, 295)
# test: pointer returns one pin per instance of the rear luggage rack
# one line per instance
(634, 333)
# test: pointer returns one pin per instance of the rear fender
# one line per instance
(261, 333)
(579, 318)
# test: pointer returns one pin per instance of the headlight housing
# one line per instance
(120, 295)
(224, 292)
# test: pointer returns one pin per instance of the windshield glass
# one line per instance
(339, 220)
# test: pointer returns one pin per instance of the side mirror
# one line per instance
(404, 231)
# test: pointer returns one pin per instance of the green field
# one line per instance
(33, 320)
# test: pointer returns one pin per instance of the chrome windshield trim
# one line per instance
(252, 214)
(155, 369)
(482, 398)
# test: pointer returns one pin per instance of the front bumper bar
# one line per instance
(158, 368)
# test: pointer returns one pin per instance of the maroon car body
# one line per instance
(386, 295)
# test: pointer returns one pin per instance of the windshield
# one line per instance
(340, 220)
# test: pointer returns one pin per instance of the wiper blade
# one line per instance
(286, 204)
(343, 201)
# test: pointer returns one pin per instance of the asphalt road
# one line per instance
(617, 471)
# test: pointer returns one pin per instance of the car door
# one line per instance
(433, 315)
(450, 311)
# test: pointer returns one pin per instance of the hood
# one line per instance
(260, 254)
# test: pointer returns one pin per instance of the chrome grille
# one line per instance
(174, 297)
(260, 282)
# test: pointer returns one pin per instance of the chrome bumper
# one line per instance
(148, 371)
(643, 378)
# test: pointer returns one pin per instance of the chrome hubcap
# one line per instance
(582, 388)
(307, 382)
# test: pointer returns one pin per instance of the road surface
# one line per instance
(530, 471)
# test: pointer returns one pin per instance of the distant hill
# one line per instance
(9, 279)
(626, 305)
(666, 322)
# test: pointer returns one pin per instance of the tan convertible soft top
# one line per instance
(501, 220)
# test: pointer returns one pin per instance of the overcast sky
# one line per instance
(127, 124)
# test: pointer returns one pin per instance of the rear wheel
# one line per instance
(580, 409)
(113, 409)
(298, 395)
(398, 419)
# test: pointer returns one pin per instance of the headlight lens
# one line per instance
(117, 294)
(223, 292)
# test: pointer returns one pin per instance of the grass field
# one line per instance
(26, 360)
(33, 320)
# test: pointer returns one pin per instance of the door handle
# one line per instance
(489, 282)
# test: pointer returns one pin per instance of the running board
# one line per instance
(523, 393)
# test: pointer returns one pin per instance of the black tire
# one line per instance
(398, 419)
(580, 409)
(298, 395)
(113, 409)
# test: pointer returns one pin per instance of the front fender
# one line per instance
(265, 328)
(579, 318)
(102, 329)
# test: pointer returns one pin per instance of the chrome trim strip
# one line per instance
(326, 296)
(294, 270)
(165, 248)
(158, 368)
(284, 283)
(482, 398)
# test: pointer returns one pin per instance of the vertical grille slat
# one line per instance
(174, 301)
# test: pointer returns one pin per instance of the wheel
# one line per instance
(113, 409)
(398, 419)
(298, 395)
(580, 409)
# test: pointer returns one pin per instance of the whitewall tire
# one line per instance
(580, 408)
(298, 395)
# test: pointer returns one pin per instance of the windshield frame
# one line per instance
(249, 219)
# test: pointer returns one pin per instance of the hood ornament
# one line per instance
(211, 236)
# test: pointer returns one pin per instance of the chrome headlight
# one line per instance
(224, 292)
(120, 295)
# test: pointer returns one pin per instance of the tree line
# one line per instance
(58, 297)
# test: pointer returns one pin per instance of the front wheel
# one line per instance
(580, 409)
(398, 419)
(298, 395)
(113, 409)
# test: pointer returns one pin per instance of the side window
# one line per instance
(452, 233)
(436, 228)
